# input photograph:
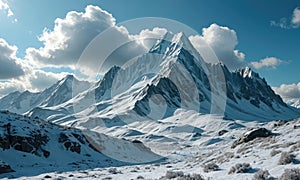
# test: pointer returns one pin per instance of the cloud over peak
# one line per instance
(223, 41)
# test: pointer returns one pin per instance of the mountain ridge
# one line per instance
(172, 63)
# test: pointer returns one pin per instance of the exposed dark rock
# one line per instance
(76, 147)
(137, 141)
(220, 133)
(296, 126)
(62, 138)
(71, 145)
(47, 177)
(46, 153)
(280, 123)
(67, 144)
(250, 135)
(28, 144)
(5, 168)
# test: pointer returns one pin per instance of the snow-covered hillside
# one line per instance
(32, 146)
(194, 147)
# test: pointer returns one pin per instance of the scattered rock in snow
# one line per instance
(220, 133)
(5, 168)
(250, 135)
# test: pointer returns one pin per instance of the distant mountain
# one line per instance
(58, 93)
(171, 76)
(295, 102)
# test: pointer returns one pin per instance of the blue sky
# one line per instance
(258, 38)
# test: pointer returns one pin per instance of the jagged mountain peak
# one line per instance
(172, 44)
(68, 79)
(247, 72)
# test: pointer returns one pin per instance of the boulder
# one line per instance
(250, 135)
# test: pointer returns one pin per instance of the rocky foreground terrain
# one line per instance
(237, 150)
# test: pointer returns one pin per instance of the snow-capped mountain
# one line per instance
(57, 94)
(295, 102)
(171, 76)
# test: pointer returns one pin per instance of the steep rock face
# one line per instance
(105, 83)
(242, 88)
(166, 89)
(250, 86)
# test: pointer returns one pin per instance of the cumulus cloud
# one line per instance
(65, 43)
(288, 90)
(4, 6)
(272, 62)
(223, 41)
(39, 80)
(10, 65)
(293, 22)
(149, 37)
(19, 75)
(89, 41)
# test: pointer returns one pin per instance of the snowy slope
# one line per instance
(191, 142)
(32, 146)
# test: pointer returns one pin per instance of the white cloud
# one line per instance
(64, 45)
(288, 90)
(94, 29)
(39, 80)
(223, 41)
(10, 65)
(33, 80)
(149, 37)
(296, 18)
(9, 87)
(19, 75)
(4, 6)
(293, 22)
(272, 62)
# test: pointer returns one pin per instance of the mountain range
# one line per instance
(169, 102)
(172, 72)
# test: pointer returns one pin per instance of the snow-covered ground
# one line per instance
(189, 141)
